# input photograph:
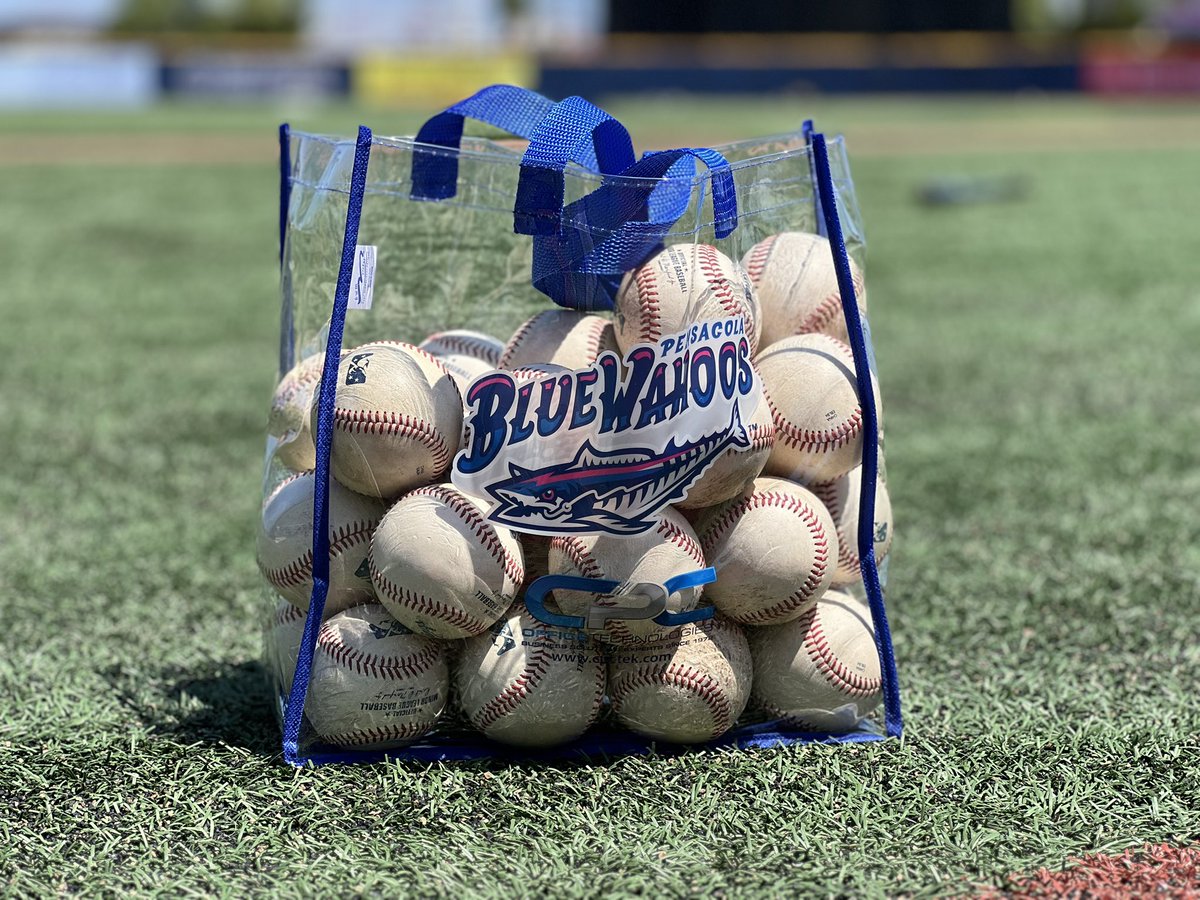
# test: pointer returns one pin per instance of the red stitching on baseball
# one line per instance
(649, 311)
(699, 683)
(304, 378)
(426, 606)
(287, 614)
(790, 719)
(468, 346)
(848, 557)
(373, 665)
(757, 261)
(811, 520)
(397, 732)
(808, 441)
(518, 337)
(299, 570)
(681, 538)
(510, 698)
(573, 549)
(594, 338)
(834, 670)
(710, 266)
(480, 527)
(374, 421)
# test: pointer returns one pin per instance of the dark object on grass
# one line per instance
(961, 190)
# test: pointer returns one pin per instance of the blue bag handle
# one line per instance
(559, 133)
(517, 110)
(623, 222)
(573, 131)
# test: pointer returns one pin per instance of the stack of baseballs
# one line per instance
(424, 613)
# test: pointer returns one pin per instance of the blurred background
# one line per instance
(135, 53)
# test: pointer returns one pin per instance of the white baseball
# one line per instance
(654, 556)
(285, 534)
(288, 420)
(809, 382)
(464, 342)
(682, 284)
(841, 498)
(562, 337)
(464, 369)
(397, 419)
(797, 287)
(440, 567)
(527, 683)
(774, 549)
(374, 683)
(819, 672)
(736, 468)
(285, 628)
(685, 690)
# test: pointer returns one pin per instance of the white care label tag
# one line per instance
(362, 279)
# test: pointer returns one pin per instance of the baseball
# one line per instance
(562, 337)
(774, 549)
(734, 469)
(797, 287)
(285, 536)
(463, 342)
(374, 683)
(653, 556)
(819, 672)
(528, 683)
(685, 690)
(464, 370)
(841, 499)
(284, 631)
(397, 419)
(288, 421)
(682, 284)
(809, 382)
(440, 567)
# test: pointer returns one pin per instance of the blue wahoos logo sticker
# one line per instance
(606, 448)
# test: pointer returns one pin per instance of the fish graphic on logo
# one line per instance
(603, 450)
(617, 491)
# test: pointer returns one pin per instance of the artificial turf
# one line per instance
(1038, 365)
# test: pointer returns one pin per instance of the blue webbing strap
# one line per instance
(574, 130)
(807, 130)
(287, 335)
(517, 110)
(324, 442)
(870, 462)
(618, 226)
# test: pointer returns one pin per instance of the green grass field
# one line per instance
(1039, 375)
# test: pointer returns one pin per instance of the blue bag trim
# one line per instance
(808, 130)
(598, 743)
(287, 336)
(870, 462)
(294, 715)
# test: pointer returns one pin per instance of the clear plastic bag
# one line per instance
(554, 529)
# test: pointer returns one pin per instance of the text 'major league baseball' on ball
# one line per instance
(397, 419)
(375, 684)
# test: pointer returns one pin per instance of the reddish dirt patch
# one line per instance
(1156, 870)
